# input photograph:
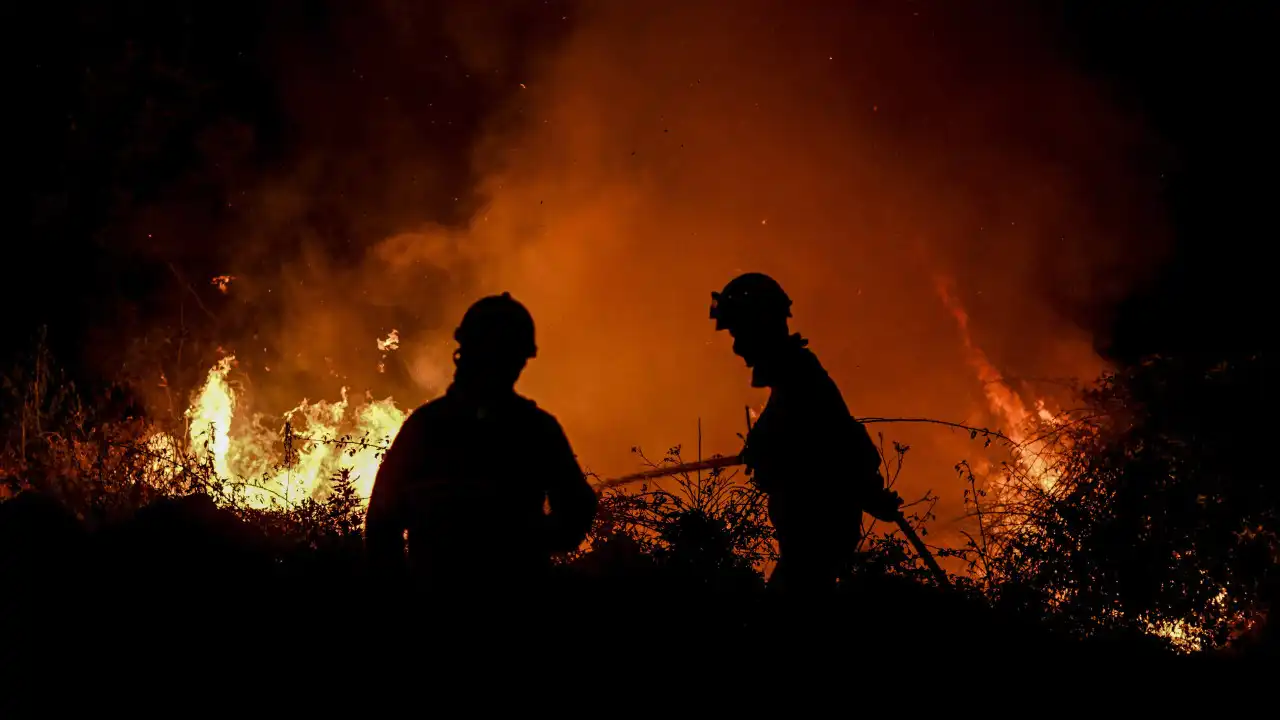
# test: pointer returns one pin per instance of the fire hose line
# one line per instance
(734, 460)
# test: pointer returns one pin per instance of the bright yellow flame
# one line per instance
(209, 418)
(386, 345)
(391, 342)
(1182, 635)
(280, 461)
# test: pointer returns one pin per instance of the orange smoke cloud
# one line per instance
(669, 146)
(854, 155)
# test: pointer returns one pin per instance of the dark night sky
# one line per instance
(1198, 71)
(118, 109)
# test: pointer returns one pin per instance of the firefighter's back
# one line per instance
(475, 505)
(806, 445)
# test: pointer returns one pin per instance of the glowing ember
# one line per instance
(222, 281)
(1034, 457)
(1185, 637)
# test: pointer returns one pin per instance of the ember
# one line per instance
(222, 282)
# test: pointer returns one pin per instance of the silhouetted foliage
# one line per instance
(1159, 516)
(884, 549)
(707, 527)
(1160, 512)
(105, 467)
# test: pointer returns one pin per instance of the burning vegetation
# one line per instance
(922, 206)
(272, 462)
(1041, 532)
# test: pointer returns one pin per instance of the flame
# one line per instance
(1032, 455)
(1036, 459)
(391, 342)
(386, 345)
(1185, 637)
(381, 420)
(209, 418)
(164, 456)
(282, 460)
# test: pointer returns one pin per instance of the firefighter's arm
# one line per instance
(878, 501)
(384, 522)
(572, 499)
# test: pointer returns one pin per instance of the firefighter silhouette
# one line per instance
(816, 464)
(471, 475)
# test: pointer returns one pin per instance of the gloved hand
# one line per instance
(884, 505)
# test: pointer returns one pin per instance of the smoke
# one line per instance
(611, 164)
(855, 156)
(346, 188)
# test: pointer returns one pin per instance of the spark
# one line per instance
(222, 281)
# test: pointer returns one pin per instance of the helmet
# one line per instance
(497, 324)
(748, 297)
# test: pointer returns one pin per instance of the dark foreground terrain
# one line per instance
(190, 588)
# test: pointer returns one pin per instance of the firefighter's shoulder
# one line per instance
(536, 417)
(428, 415)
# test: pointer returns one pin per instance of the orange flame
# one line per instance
(1032, 455)
(209, 418)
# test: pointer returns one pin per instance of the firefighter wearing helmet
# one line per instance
(470, 474)
(815, 502)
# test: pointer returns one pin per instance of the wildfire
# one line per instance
(1032, 454)
(209, 418)
(279, 460)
